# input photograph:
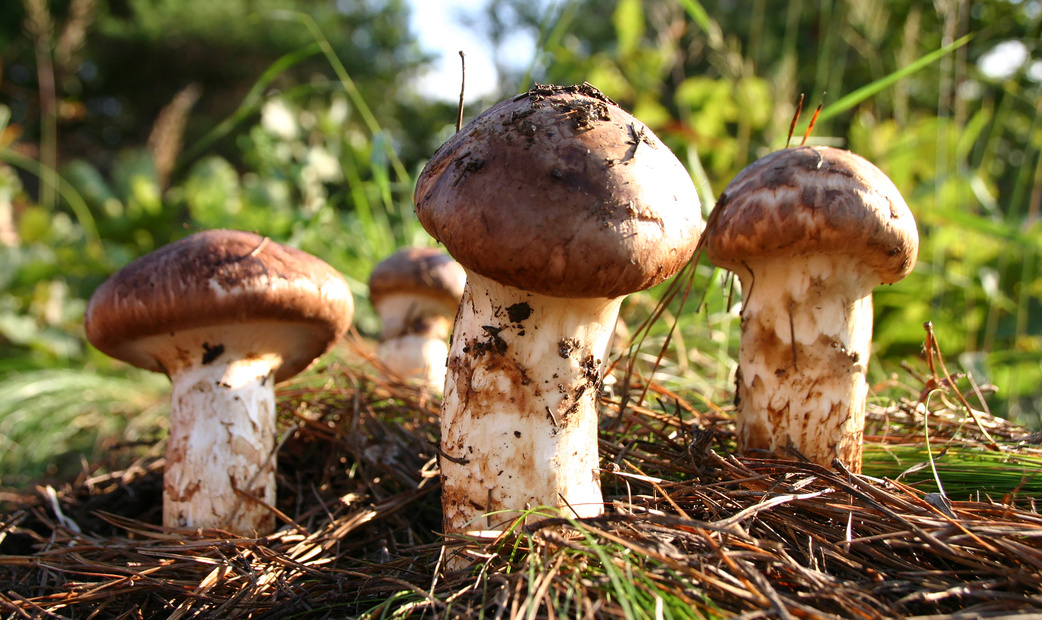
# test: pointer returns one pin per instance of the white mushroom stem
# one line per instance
(415, 337)
(519, 416)
(806, 342)
(222, 434)
(417, 357)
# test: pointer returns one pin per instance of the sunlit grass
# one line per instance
(965, 472)
(51, 419)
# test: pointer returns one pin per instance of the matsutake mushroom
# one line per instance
(226, 315)
(558, 204)
(810, 231)
(416, 292)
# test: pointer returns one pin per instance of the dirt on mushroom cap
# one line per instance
(561, 192)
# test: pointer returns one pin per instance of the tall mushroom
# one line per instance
(416, 292)
(809, 231)
(226, 315)
(558, 204)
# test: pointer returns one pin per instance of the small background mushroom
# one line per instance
(810, 231)
(416, 292)
(225, 314)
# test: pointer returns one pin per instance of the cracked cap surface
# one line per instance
(813, 200)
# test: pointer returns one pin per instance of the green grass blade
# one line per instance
(348, 83)
(250, 103)
(698, 14)
(963, 471)
(868, 90)
(47, 413)
(67, 192)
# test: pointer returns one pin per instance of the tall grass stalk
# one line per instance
(40, 25)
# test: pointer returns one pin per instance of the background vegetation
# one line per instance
(129, 123)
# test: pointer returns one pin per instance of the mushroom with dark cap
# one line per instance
(810, 231)
(558, 204)
(226, 315)
(416, 292)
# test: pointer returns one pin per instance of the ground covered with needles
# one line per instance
(690, 530)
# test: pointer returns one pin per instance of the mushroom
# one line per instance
(558, 204)
(226, 315)
(416, 292)
(810, 231)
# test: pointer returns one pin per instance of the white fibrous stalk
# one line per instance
(222, 437)
(519, 415)
(805, 345)
(415, 337)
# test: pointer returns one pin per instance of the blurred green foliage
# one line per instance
(297, 122)
(719, 82)
(118, 63)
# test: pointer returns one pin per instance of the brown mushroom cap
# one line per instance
(421, 271)
(813, 200)
(214, 279)
(559, 191)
